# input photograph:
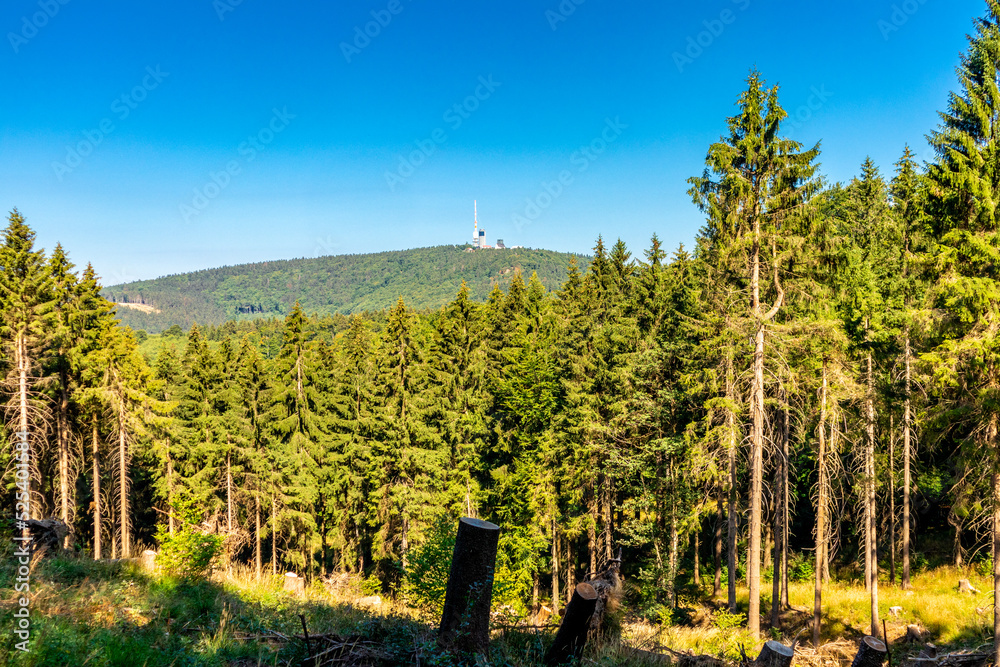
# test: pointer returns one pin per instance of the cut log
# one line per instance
(294, 584)
(774, 654)
(871, 653)
(370, 601)
(148, 560)
(572, 634)
(965, 586)
(915, 633)
(465, 620)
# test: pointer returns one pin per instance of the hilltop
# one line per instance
(423, 277)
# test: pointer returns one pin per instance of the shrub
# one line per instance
(724, 619)
(188, 553)
(800, 567)
(426, 578)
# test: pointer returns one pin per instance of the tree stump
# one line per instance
(572, 634)
(871, 653)
(465, 620)
(914, 633)
(47, 534)
(294, 584)
(774, 654)
(965, 586)
(148, 560)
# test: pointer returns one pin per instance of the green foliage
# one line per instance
(426, 578)
(424, 277)
(189, 553)
(724, 619)
(801, 567)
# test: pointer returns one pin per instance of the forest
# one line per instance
(808, 392)
(427, 278)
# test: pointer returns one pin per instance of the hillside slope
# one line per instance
(424, 277)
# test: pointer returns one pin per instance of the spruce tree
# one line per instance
(754, 185)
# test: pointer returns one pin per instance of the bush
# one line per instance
(800, 567)
(426, 578)
(188, 553)
(724, 619)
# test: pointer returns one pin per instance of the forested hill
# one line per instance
(424, 277)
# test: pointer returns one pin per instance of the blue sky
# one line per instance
(156, 138)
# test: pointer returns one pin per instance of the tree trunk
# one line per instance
(731, 536)
(465, 620)
(22, 417)
(871, 653)
(608, 521)
(871, 572)
(229, 493)
(256, 532)
(555, 569)
(778, 550)
(592, 533)
(717, 549)
(572, 634)
(907, 425)
(892, 500)
(62, 427)
(697, 555)
(820, 515)
(170, 491)
(97, 490)
(756, 474)
(123, 485)
(785, 516)
(570, 558)
(774, 654)
(993, 445)
(274, 536)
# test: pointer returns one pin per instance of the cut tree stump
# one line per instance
(774, 654)
(572, 634)
(871, 653)
(294, 584)
(465, 620)
(965, 586)
(915, 633)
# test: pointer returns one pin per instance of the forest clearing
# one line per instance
(776, 445)
(108, 614)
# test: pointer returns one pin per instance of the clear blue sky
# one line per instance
(161, 96)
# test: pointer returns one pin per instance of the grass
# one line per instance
(116, 614)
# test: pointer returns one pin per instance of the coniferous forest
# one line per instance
(809, 392)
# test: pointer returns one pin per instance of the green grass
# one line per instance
(110, 614)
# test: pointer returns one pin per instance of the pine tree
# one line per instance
(964, 193)
(25, 323)
(754, 185)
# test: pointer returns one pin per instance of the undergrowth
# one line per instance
(108, 614)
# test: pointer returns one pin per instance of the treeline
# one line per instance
(825, 360)
(425, 277)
